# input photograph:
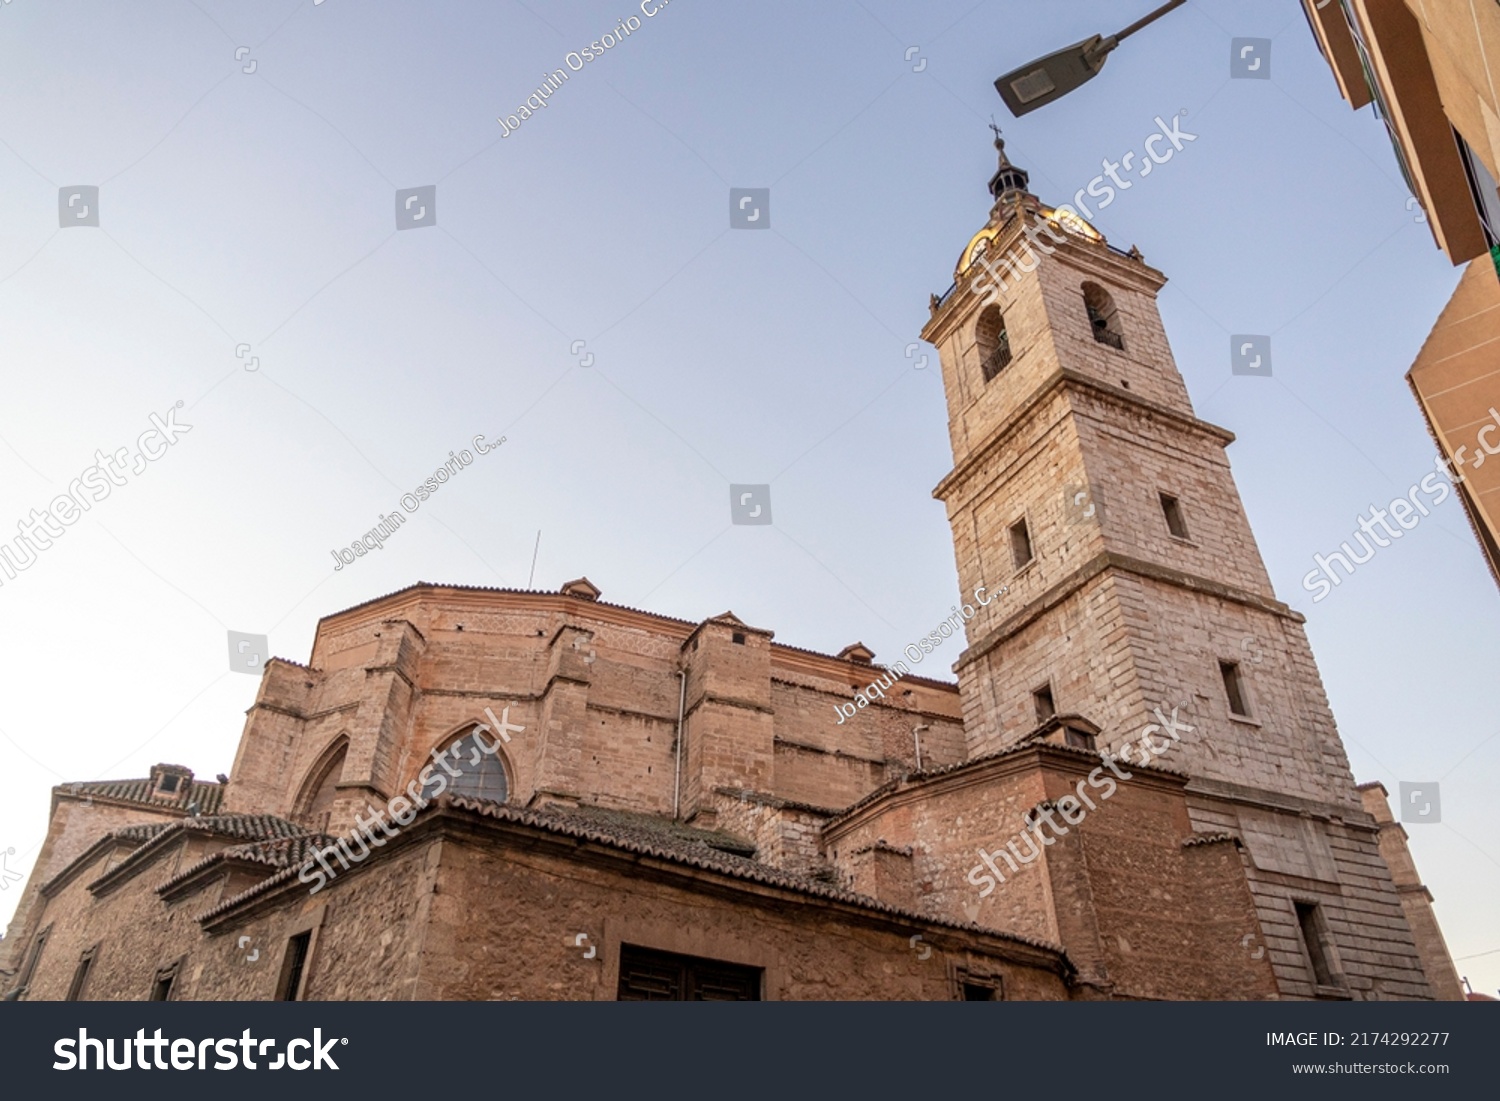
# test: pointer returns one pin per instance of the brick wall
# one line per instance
(1142, 914)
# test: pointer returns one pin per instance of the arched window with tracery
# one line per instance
(475, 768)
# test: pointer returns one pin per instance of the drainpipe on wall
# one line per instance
(916, 737)
(677, 778)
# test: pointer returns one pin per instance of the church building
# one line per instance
(1135, 789)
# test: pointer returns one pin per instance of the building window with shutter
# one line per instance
(647, 975)
(294, 967)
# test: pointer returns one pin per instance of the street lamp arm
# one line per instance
(1146, 20)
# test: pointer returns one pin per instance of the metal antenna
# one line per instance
(532, 576)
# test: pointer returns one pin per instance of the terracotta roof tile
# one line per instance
(280, 852)
(208, 795)
(243, 827)
(1209, 839)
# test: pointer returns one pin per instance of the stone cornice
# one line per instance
(396, 669)
(726, 701)
(808, 747)
(1068, 378)
(1119, 563)
(1351, 815)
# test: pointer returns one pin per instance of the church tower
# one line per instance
(1085, 484)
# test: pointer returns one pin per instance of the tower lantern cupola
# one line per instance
(1008, 179)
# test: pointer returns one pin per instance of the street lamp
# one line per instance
(1039, 82)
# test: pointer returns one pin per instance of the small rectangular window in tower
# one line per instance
(1172, 509)
(1020, 543)
(737, 638)
(1045, 708)
(293, 967)
(1234, 688)
(1310, 924)
(980, 992)
(81, 976)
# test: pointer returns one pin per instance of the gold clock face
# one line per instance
(976, 248)
(1068, 220)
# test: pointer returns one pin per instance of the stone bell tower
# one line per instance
(1084, 482)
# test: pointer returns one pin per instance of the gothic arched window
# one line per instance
(1104, 318)
(993, 341)
(475, 758)
(314, 804)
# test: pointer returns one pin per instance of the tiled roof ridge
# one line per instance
(257, 852)
(692, 835)
(225, 825)
(141, 832)
(137, 790)
(711, 860)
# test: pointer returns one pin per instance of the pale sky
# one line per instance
(259, 208)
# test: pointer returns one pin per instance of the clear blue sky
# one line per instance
(258, 208)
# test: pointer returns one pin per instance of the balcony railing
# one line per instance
(1103, 333)
(999, 359)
